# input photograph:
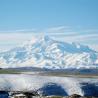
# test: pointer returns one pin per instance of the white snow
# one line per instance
(43, 51)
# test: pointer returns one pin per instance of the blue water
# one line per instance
(4, 94)
(90, 89)
(55, 89)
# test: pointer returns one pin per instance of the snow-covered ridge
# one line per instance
(45, 52)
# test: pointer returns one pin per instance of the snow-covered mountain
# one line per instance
(45, 52)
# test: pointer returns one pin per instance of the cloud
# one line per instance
(10, 40)
(78, 37)
(87, 37)
(58, 29)
(19, 31)
(62, 33)
(90, 31)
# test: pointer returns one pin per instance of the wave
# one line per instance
(44, 85)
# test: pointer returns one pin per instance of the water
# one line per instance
(48, 85)
(4, 94)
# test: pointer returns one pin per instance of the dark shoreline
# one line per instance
(5, 94)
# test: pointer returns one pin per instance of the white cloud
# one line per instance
(19, 31)
(10, 40)
(64, 33)
(58, 29)
(90, 30)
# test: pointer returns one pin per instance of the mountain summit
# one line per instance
(46, 52)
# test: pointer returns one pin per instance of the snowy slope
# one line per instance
(45, 52)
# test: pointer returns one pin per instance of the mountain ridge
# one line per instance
(45, 52)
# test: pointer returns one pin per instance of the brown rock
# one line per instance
(74, 96)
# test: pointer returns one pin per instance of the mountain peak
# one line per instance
(45, 38)
(45, 52)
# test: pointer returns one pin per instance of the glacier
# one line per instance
(45, 52)
(49, 85)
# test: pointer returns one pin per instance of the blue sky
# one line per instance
(67, 19)
(40, 14)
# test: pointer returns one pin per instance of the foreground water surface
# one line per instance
(49, 85)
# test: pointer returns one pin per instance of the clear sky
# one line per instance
(75, 19)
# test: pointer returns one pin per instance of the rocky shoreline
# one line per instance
(72, 96)
(4, 94)
(79, 96)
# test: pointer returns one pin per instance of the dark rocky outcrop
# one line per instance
(79, 96)
(74, 96)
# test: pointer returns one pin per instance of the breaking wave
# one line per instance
(45, 85)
